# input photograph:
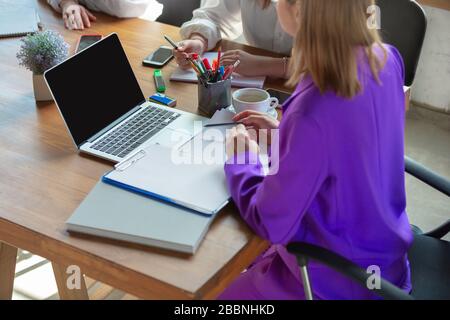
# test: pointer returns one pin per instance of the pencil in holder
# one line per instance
(213, 96)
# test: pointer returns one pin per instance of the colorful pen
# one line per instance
(194, 66)
(219, 55)
(230, 69)
(207, 65)
(228, 72)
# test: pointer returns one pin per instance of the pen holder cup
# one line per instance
(213, 96)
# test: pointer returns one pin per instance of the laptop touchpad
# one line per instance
(170, 138)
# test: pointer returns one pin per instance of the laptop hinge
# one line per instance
(115, 123)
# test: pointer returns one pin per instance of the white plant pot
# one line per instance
(41, 91)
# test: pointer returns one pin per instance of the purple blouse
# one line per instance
(340, 185)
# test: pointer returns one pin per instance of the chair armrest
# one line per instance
(440, 231)
(345, 267)
(427, 176)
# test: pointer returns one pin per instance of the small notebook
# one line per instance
(162, 173)
(18, 22)
(237, 81)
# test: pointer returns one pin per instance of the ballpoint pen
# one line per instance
(171, 42)
(222, 124)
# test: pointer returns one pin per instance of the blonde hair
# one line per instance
(327, 41)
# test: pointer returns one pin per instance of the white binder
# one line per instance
(157, 172)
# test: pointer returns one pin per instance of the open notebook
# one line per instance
(237, 81)
(16, 22)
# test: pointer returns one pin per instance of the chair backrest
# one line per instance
(176, 12)
(306, 251)
(403, 25)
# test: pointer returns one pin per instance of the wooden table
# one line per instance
(43, 179)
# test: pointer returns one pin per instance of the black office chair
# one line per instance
(176, 12)
(403, 25)
(429, 255)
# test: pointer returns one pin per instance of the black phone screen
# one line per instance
(160, 56)
(87, 41)
(280, 95)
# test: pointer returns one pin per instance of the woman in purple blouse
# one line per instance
(340, 178)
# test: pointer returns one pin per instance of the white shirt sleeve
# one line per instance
(119, 8)
(215, 19)
(54, 4)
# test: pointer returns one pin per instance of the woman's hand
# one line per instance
(239, 140)
(258, 121)
(75, 16)
(185, 49)
(252, 65)
(247, 67)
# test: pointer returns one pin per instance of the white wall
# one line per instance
(432, 83)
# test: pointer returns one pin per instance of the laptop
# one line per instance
(104, 108)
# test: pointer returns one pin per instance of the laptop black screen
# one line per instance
(94, 88)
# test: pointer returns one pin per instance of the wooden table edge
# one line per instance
(107, 271)
(96, 267)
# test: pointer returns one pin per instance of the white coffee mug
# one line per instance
(253, 99)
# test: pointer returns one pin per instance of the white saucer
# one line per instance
(272, 112)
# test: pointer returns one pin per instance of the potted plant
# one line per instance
(38, 53)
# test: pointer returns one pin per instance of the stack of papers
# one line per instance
(237, 80)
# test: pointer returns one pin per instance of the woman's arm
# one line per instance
(55, 4)
(253, 65)
(274, 205)
(119, 8)
(75, 16)
(214, 18)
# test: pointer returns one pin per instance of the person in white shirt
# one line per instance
(256, 20)
(76, 15)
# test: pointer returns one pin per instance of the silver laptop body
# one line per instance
(104, 108)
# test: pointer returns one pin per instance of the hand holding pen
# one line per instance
(183, 49)
(206, 72)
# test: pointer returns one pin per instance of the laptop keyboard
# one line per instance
(135, 132)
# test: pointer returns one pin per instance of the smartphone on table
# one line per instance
(158, 58)
(87, 40)
(282, 96)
